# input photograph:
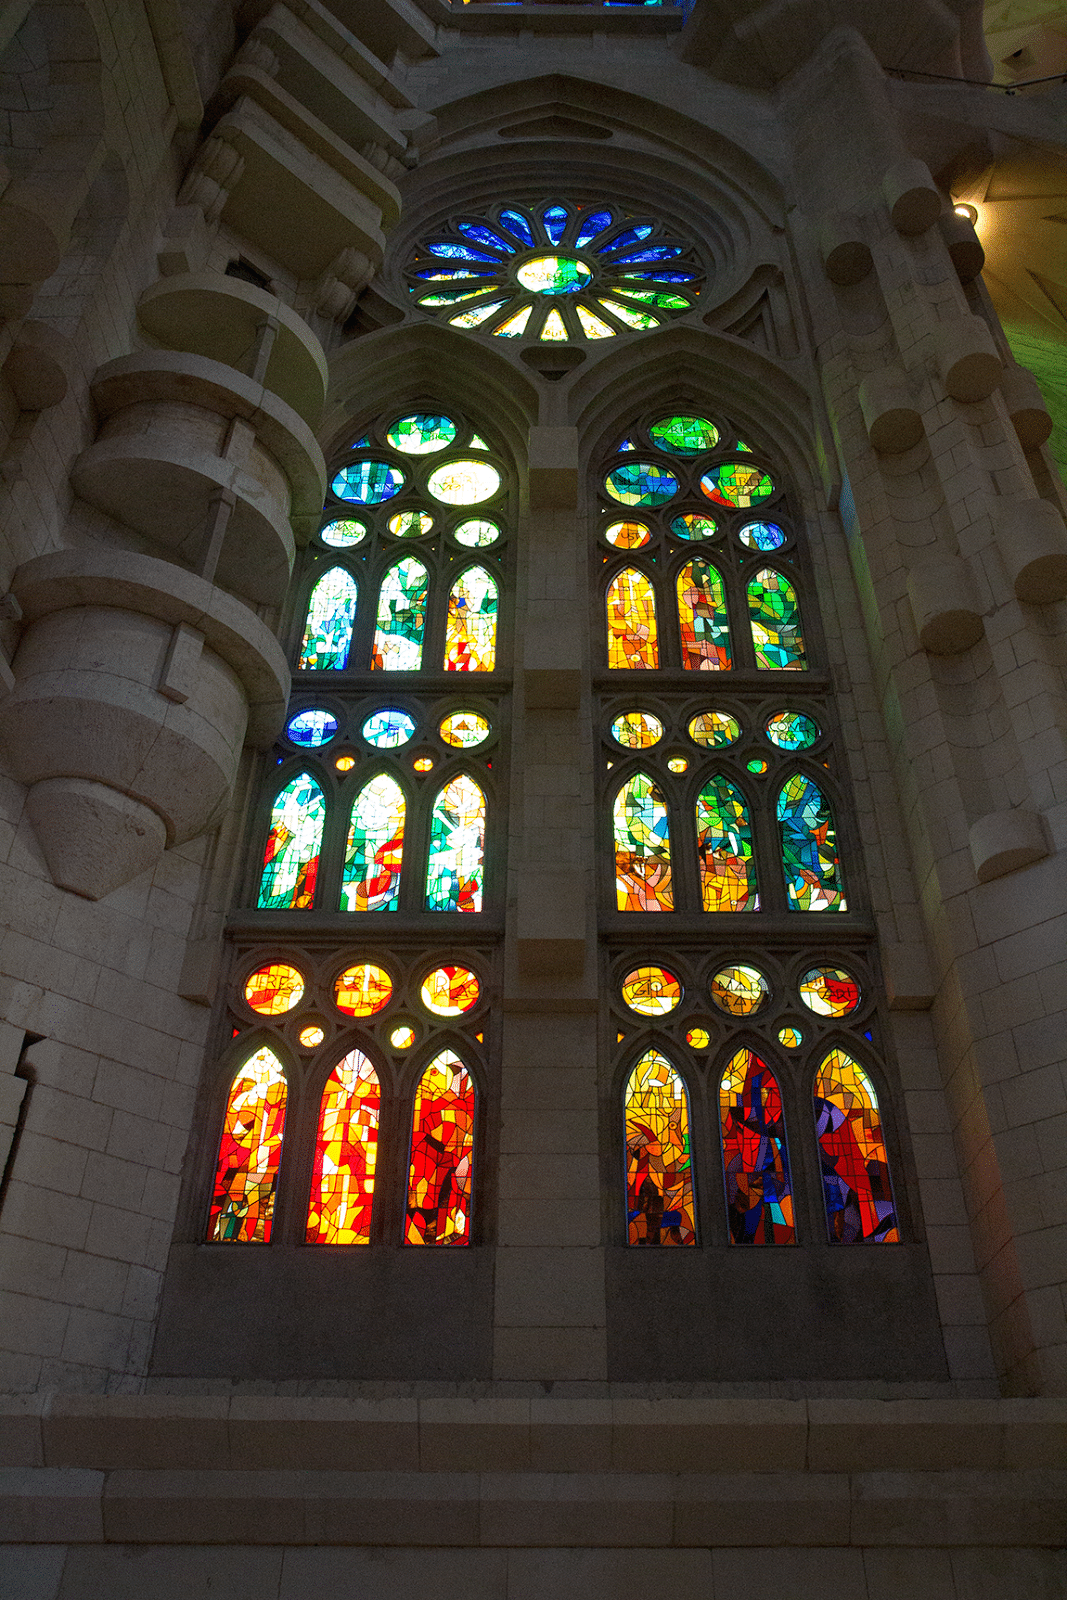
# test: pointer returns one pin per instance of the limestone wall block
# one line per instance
(1033, 543)
(1004, 841)
(945, 605)
(967, 359)
(913, 198)
(1026, 407)
(893, 421)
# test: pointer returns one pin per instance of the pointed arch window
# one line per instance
(291, 857)
(857, 1188)
(774, 617)
(470, 639)
(633, 640)
(643, 879)
(374, 850)
(724, 849)
(440, 1169)
(346, 1153)
(810, 859)
(331, 615)
(398, 636)
(456, 869)
(246, 1172)
(702, 619)
(759, 1191)
(659, 1161)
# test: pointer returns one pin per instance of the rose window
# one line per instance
(555, 273)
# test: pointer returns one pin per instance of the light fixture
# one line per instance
(964, 209)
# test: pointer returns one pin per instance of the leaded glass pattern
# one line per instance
(857, 1188)
(291, 856)
(659, 1163)
(759, 1195)
(642, 847)
(242, 1207)
(374, 850)
(346, 1152)
(442, 1153)
(456, 869)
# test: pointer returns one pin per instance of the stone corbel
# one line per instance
(216, 170)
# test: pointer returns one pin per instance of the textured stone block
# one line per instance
(945, 605)
(1004, 841)
(889, 412)
(1032, 540)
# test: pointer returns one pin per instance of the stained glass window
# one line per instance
(346, 1151)
(774, 615)
(702, 619)
(442, 1153)
(642, 848)
(759, 1195)
(637, 730)
(464, 730)
(813, 878)
(375, 846)
(724, 849)
(242, 1207)
(274, 989)
(857, 1188)
(291, 858)
(470, 639)
(659, 1161)
(328, 629)
(456, 867)
(401, 617)
(632, 637)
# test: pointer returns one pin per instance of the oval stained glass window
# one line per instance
(735, 485)
(678, 764)
(637, 730)
(739, 990)
(651, 991)
(368, 483)
(792, 730)
(463, 483)
(714, 729)
(388, 729)
(698, 1038)
(641, 483)
(464, 730)
(402, 1038)
(829, 991)
(476, 534)
(627, 535)
(450, 991)
(554, 275)
(312, 1036)
(311, 728)
(790, 1037)
(362, 990)
(410, 524)
(686, 436)
(343, 534)
(761, 536)
(757, 765)
(693, 526)
(273, 990)
(421, 434)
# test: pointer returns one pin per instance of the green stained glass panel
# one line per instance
(641, 483)
(368, 483)
(702, 620)
(456, 868)
(554, 275)
(792, 730)
(735, 485)
(724, 849)
(642, 848)
(401, 618)
(343, 534)
(686, 436)
(714, 729)
(476, 534)
(421, 434)
(810, 860)
(774, 614)
(694, 527)
(291, 857)
(328, 629)
(373, 852)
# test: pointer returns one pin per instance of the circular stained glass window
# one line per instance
(368, 483)
(757, 765)
(423, 764)
(554, 275)
(421, 434)
(449, 991)
(829, 991)
(312, 1036)
(464, 730)
(402, 1038)
(686, 436)
(714, 729)
(627, 535)
(387, 729)
(651, 991)
(475, 534)
(363, 990)
(345, 763)
(343, 533)
(410, 524)
(677, 764)
(311, 728)
(641, 483)
(637, 730)
(761, 536)
(739, 990)
(791, 1037)
(792, 730)
(736, 485)
(698, 1038)
(464, 483)
(273, 990)
(694, 527)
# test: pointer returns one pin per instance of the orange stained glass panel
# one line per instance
(442, 1153)
(642, 848)
(346, 1149)
(242, 1207)
(275, 989)
(363, 990)
(702, 619)
(659, 1162)
(633, 641)
(449, 991)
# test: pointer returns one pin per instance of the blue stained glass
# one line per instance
(436, 274)
(630, 236)
(385, 730)
(311, 728)
(627, 444)
(592, 226)
(662, 277)
(483, 235)
(368, 483)
(462, 252)
(657, 252)
(761, 535)
(517, 224)
(362, 444)
(555, 221)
